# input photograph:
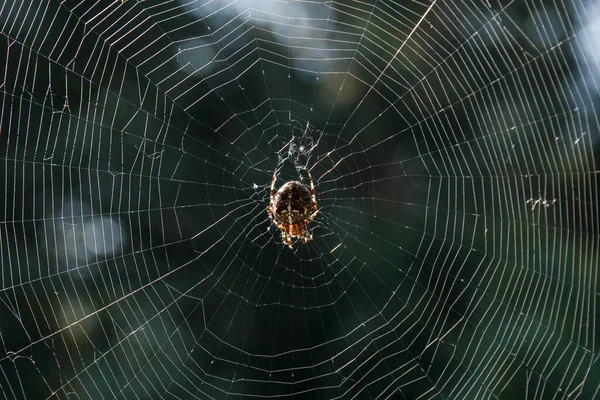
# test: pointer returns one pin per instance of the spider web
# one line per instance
(454, 148)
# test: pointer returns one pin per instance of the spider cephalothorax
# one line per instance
(292, 208)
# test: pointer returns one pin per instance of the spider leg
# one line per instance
(272, 193)
(306, 237)
(270, 206)
(285, 235)
(271, 217)
(286, 238)
(312, 192)
(273, 184)
(277, 223)
(312, 216)
(307, 234)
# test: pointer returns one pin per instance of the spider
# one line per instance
(292, 208)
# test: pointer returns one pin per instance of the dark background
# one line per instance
(454, 147)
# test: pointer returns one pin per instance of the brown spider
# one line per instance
(292, 208)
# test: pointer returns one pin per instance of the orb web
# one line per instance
(454, 150)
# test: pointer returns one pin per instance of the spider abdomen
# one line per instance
(292, 203)
(292, 208)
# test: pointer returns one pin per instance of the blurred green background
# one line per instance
(454, 147)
